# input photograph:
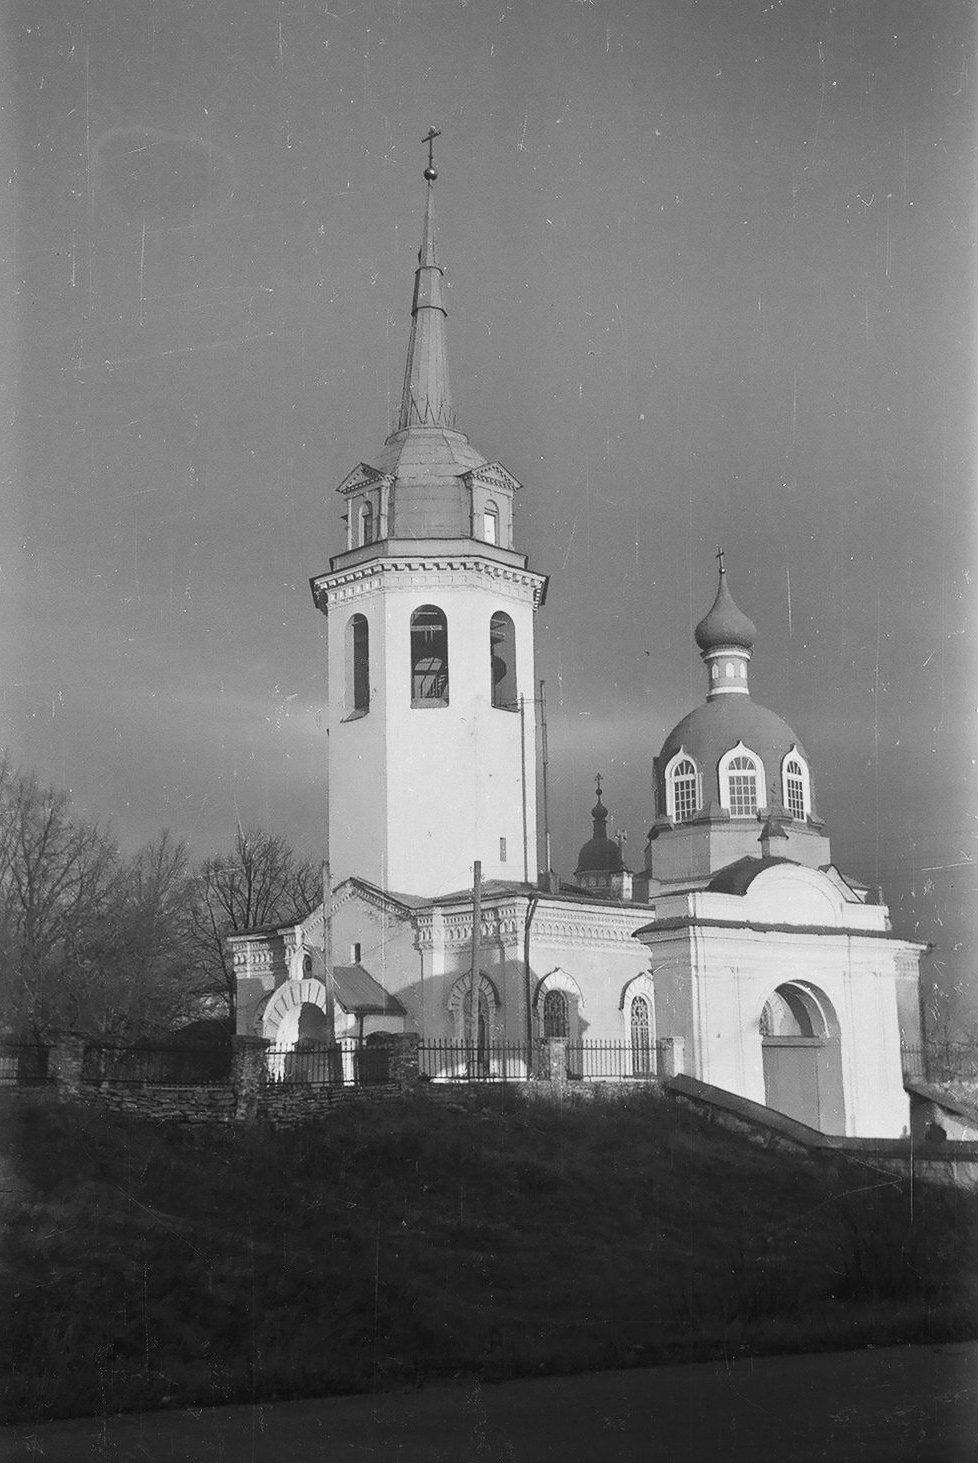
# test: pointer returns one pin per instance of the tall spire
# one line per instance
(426, 400)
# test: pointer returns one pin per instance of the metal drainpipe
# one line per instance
(531, 906)
(526, 851)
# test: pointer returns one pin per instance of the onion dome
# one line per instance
(704, 759)
(601, 854)
(724, 624)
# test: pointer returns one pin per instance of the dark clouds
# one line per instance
(711, 280)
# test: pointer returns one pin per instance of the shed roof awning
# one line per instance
(361, 995)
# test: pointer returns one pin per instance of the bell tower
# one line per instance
(430, 619)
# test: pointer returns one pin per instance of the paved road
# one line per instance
(895, 1405)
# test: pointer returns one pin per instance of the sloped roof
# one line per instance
(361, 995)
(737, 877)
(490, 888)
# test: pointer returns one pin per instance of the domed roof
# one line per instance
(724, 623)
(718, 726)
(600, 855)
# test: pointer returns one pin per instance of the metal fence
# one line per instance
(457, 1061)
(156, 1066)
(460, 1061)
(613, 1060)
(945, 1061)
(24, 1063)
(347, 1062)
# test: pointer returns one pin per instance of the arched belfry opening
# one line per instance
(802, 1056)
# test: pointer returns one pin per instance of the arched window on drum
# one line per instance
(796, 785)
(741, 782)
(429, 657)
(682, 788)
(502, 658)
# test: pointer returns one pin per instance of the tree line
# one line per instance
(120, 946)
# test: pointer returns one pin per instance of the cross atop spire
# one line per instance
(431, 172)
(719, 559)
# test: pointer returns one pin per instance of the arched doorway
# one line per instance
(802, 1057)
(296, 1022)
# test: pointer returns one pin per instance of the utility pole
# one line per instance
(545, 759)
(328, 917)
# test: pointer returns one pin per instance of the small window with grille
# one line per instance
(794, 788)
(742, 786)
(684, 798)
(556, 1014)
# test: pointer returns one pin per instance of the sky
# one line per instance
(710, 281)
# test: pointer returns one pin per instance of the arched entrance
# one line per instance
(802, 1057)
(296, 1022)
(297, 1009)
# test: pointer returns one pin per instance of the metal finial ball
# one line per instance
(431, 174)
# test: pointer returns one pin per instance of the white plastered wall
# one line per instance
(418, 793)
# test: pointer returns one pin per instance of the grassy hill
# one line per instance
(146, 1265)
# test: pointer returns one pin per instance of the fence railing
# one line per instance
(348, 1062)
(24, 1062)
(456, 1061)
(460, 1061)
(614, 1060)
(156, 1066)
(944, 1061)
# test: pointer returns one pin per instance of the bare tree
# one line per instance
(261, 881)
(148, 971)
(89, 941)
(57, 874)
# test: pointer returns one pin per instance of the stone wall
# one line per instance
(163, 1104)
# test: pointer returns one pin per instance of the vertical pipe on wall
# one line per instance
(526, 851)
(545, 758)
(476, 956)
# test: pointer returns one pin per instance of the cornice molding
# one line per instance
(339, 586)
(506, 923)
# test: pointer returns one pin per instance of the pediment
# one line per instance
(492, 475)
(363, 476)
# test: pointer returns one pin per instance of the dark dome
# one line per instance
(717, 726)
(724, 624)
(599, 855)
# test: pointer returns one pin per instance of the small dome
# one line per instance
(600, 855)
(724, 623)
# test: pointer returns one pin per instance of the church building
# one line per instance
(738, 954)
